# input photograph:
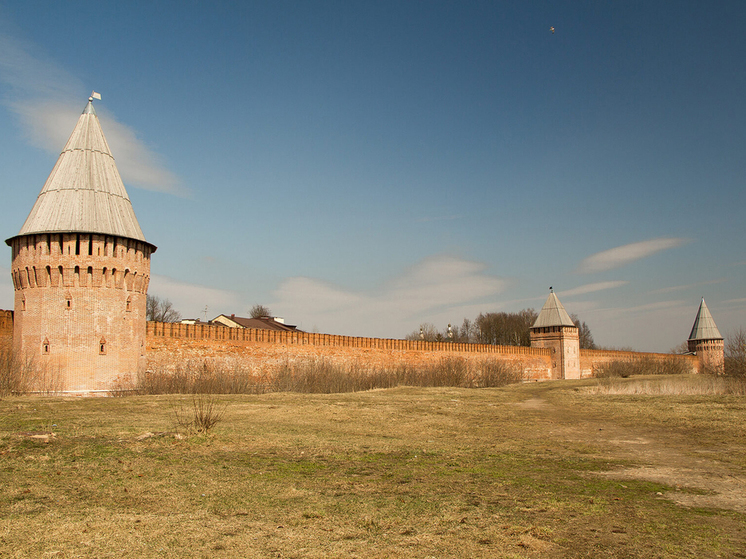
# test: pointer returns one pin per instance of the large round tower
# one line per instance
(81, 268)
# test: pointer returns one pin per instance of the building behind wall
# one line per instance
(81, 268)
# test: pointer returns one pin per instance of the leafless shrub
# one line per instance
(735, 354)
(12, 379)
(193, 377)
(47, 380)
(323, 376)
(205, 412)
(447, 372)
(683, 385)
(122, 386)
(21, 376)
(498, 373)
(625, 368)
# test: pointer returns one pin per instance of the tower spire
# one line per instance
(84, 192)
(706, 341)
(704, 327)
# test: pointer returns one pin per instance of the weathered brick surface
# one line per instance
(565, 346)
(262, 351)
(592, 360)
(711, 354)
(168, 346)
(80, 306)
(6, 324)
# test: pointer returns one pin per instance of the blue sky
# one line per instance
(364, 167)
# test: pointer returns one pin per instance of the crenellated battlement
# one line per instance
(80, 260)
(258, 335)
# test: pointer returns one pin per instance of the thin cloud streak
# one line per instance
(593, 287)
(688, 286)
(640, 308)
(46, 100)
(428, 289)
(626, 254)
(191, 299)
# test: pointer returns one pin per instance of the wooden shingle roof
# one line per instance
(84, 192)
(704, 325)
(553, 314)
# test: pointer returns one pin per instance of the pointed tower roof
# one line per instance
(704, 326)
(84, 192)
(553, 313)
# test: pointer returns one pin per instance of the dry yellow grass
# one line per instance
(535, 470)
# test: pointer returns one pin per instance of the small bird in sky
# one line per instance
(552, 30)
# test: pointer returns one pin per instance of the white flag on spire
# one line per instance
(96, 95)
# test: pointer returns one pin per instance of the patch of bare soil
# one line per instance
(699, 481)
(723, 490)
(534, 403)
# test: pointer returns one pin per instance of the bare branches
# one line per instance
(735, 354)
(259, 311)
(206, 412)
(160, 310)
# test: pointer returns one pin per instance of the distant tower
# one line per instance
(81, 268)
(555, 329)
(705, 340)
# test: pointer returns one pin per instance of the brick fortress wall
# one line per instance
(6, 324)
(261, 350)
(592, 360)
(168, 345)
(6, 331)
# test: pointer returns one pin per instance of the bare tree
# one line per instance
(680, 349)
(427, 332)
(504, 328)
(584, 333)
(735, 354)
(160, 310)
(467, 333)
(259, 311)
(496, 328)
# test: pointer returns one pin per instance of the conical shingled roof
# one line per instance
(84, 192)
(553, 314)
(704, 326)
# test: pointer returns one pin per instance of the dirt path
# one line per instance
(698, 481)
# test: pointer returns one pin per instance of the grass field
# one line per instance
(556, 469)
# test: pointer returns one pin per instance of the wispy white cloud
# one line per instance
(47, 100)
(593, 287)
(191, 299)
(626, 254)
(424, 292)
(688, 286)
(658, 305)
